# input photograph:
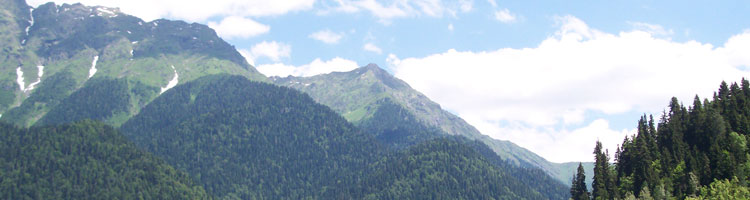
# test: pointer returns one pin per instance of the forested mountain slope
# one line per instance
(454, 165)
(244, 139)
(398, 115)
(236, 138)
(85, 160)
(50, 52)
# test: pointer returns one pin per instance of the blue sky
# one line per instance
(551, 76)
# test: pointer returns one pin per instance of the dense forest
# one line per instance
(243, 139)
(395, 127)
(696, 152)
(84, 160)
(103, 99)
(450, 168)
(252, 140)
(222, 137)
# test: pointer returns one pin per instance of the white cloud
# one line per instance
(313, 68)
(272, 50)
(466, 5)
(505, 16)
(577, 70)
(558, 145)
(238, 27)
(401, 9)
(372, 48)
(450, 27)
(653, 29)
(493, 3)
(196, 10)
(327, 36)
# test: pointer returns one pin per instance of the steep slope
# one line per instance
(85, 160)
(359, 94)
(454, 166)
(61, 47)
(250, 140)
(104, 99)
(244, 139)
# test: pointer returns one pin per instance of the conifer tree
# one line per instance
(578, 190)
(601, 185)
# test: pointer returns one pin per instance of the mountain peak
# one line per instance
(374, 68)
(382, 76)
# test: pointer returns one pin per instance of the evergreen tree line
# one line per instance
(699, 151)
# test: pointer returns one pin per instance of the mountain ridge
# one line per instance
(244, 126)
(67, 45)
(75, 53)
(355, 94)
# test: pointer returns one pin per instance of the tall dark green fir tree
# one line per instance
(578, 190)
(603, 186)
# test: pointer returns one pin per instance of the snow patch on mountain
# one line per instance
(31, 23)
(93, 69)
(172, 82)
(105, 12)
(40, 73)
(22, 84)
(19, 79)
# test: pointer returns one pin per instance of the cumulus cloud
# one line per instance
(372, 48)
(196, 10)
(315, 67)
(537, 91)
(400, 9)
(238, 27)
(505, 16)
(327, 36)
(273, 50)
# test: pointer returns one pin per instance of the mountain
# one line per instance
(251, 140)
(369, 96)
(52, 51)
(455, 166)
(232, 134)
(244, 139)
(84, 160)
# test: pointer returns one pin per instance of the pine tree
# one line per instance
(601, 185)
(578, 190)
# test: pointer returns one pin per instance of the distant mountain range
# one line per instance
(190, 100)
